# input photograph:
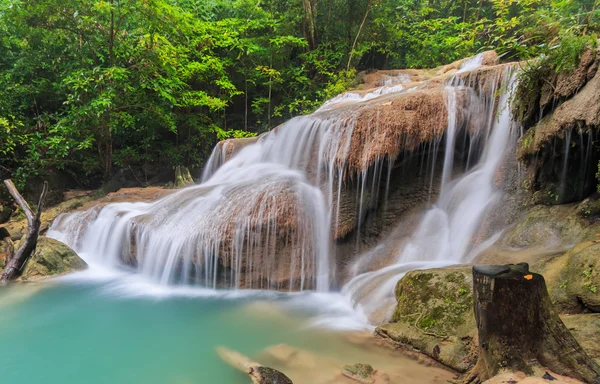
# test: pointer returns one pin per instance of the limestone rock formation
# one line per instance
(255, 232)
(51, 258)
(557, 151)
(435, 316)
(561, 244)
(574, 278)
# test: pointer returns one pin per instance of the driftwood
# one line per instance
(519, 330)
(15, 265)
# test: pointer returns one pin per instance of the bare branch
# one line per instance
(19, 199)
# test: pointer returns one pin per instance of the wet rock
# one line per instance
(363, 373)
(554, 226)
(573, 279)
(522, 378)
(561, 134)
(266, 375)
(435, 316)
(590, 207)
(586, 329)
(51, 258)
(258, 373)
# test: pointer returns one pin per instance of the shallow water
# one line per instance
(122, 330)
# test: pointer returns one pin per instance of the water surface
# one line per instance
(125, 330)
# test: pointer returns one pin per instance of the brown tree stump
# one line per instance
(519, 329)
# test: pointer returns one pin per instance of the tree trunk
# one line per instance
(358, 34)
(15, 265)
(310, 29)
(519, 330)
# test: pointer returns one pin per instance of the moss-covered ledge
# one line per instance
(435, 316)
(51, 258)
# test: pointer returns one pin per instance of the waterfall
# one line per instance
(447, 230)
(269, 210)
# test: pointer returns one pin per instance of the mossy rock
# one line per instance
(51, 258)
(363, 373)
(573, 279)
(543, 225)
(435, 300)
(590, 207)
(435, 315)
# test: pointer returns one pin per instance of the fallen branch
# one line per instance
(15, 265)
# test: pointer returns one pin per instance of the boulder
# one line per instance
(573, 279)
(363, 373)
(51, 258)
(258, 373)
(435, 316)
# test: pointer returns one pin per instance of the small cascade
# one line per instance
(472, 63)
(563, 176)
(447, 230)
(270, 211)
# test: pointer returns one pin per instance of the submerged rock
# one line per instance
(266, 375)
(51, 258)
(435, 316)
(258, 373)
(363, 373)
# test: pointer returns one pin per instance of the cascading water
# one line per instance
(267, 210)
(447, 230)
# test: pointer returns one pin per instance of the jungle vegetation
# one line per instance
(91, 86)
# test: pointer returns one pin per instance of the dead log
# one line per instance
(519, 330)
(15, 265)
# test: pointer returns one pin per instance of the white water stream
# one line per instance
(446, 232)
(263, 219)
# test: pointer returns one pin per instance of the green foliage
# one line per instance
(90, 85)
(588, 275)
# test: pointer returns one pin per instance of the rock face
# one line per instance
(560, 243)
(573, 279)
(435, 316)
(51, 258)
(557, 151)
(586, 329)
